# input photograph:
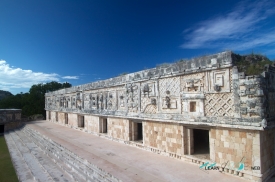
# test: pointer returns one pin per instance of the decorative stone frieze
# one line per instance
(197, 90)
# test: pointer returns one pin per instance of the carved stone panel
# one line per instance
(219, 104)
(219, 81)
(79, 101)
(148, 89)
(132, 97)
(121, 96)
(111, 100)
(93, 101)
(150, 109)
(148, 97)
(193, 83)
(87, 101)
(100, 101)
(73, 102)
(169, 84)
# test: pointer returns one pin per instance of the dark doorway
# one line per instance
(66, 118)
(139, 130)
(56, 116)
(201, 141)
(81, 121)
(104, 125)
(2, 129)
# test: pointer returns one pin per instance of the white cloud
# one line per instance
(12, 78)
(71, 77)
(240, 29)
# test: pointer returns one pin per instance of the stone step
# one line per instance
(52, 169)
(22, 170)
(49, 149)
(79, 165)
(39, 173)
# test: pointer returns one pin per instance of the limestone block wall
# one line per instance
(92, 123)
(164, 136)
(17, 116)
(235, 146)
(72, 119)
(118, 128)
(267, 150)
(48, 115)
(12, 125)
(53, 116)
(61, 117)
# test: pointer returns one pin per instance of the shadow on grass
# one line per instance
(7, 172)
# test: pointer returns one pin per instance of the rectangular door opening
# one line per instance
(2, 129)
(81, 122)
(201, 143)
(104, 125)
(66, 118)
(137, 132)
(56, 116)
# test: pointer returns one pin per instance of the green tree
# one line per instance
(32, 102)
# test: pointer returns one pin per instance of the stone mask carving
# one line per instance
(167, 101)
(217, 88)
(153, 101)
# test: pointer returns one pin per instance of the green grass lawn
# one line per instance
(7, 172)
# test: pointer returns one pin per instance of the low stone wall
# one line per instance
(253, 148)
(12, 125)
(10, 118)
(228, 147)
(164, 136)
(92, 124)
(118, 128)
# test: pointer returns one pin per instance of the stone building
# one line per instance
(201, 110)
(9, 119)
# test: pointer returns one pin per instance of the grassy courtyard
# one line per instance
(7, 172)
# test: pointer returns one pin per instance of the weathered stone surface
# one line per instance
(160, 109)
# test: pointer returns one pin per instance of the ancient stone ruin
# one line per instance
(9, 119)
(198, 110)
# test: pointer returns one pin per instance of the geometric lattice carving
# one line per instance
(169, 84)
(132, 96)
(87, 101)
(121, 99)
(144, 102)
(111, 100)
(150, 109)
(219, 104)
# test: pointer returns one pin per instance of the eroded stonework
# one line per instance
(175, 109)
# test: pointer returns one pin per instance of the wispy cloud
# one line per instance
(240, 29)
(12, 78)
(71, 77)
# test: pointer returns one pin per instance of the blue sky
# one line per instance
(85, 41)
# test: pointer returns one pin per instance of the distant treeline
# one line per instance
(32, 102)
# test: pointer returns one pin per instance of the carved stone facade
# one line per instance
(171, 108)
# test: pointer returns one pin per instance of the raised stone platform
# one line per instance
(44, 151)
